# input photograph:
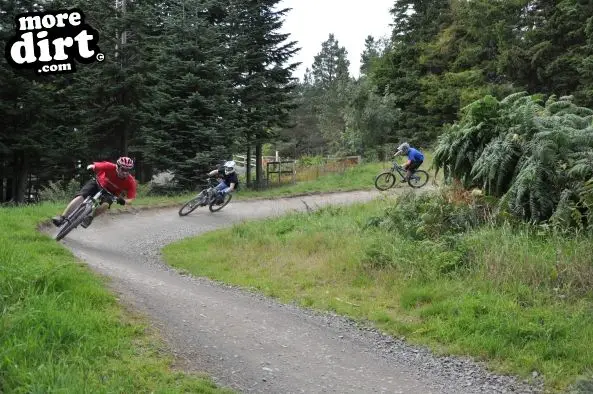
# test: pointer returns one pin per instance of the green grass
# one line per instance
(361, 177)
(521, 301)
(356, 178)
(62, 331)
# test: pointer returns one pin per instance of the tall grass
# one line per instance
(62, 331)
(503, 293)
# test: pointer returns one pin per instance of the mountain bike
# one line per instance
(386, 179)
(86, 208)
(206, 197)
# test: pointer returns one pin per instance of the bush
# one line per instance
(536, 156)
(308, 161)
(420, 217)
(59, 191)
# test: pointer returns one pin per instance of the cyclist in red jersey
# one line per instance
(115, 178)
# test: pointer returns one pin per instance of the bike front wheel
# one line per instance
(74, 220)
(385, 180)
(418, 179)
(192, 204)
(215, 207)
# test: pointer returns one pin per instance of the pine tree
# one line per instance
(188, 118)
(258, 67)
(370, 53)
(33, 116)
(330, 65)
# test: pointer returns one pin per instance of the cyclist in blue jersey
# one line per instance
(415, 159)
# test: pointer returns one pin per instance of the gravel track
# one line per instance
(252, 343)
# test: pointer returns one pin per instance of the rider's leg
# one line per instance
(221, 186)
(220, 191)
(413, 167)
(98, 211)
(76, 201)
(88, 189)
(408, 173)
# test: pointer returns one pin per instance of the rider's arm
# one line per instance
(130, 191)
(232, 184)
(213, 172)
(102, 166)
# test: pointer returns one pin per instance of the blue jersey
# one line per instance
(415, 155)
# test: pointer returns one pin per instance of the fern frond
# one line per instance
(510, 99)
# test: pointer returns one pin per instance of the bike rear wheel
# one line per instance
(214, 207)
(385, 180)
(418, 179)
(192, 204)
(75, 219)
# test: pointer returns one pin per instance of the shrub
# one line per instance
(536, 156)
(59, 191)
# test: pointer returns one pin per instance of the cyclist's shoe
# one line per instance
(87, 221)
(219, 199)
(58, 220)
(404, 180)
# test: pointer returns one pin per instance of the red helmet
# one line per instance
(125, 163)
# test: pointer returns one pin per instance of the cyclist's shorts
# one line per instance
(89, 189)
(415, 164)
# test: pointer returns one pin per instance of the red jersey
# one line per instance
(108, 179)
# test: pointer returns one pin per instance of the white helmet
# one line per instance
(404, 147)
(229, 167)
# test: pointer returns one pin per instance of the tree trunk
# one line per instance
(2, 178)
(258, 169)
(22, 171)
(9, 188)
(248, 166)
(143, 170)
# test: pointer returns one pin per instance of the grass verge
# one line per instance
(62, 331)
(361, 177)
(355, 178)
(518, 300)
(61, 328)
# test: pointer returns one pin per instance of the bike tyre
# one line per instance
(192, 204)
(419, 185)
(390, 180)
(81, 212)
(216, 208)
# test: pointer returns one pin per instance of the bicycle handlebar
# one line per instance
(111, 196)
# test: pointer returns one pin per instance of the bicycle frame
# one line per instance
(97, 199)
(88, 205)
(210, 188)
(102, 196)
(402, 171)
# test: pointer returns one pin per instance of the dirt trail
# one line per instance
(251, 343)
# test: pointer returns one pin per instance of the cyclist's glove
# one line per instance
(121, 201)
